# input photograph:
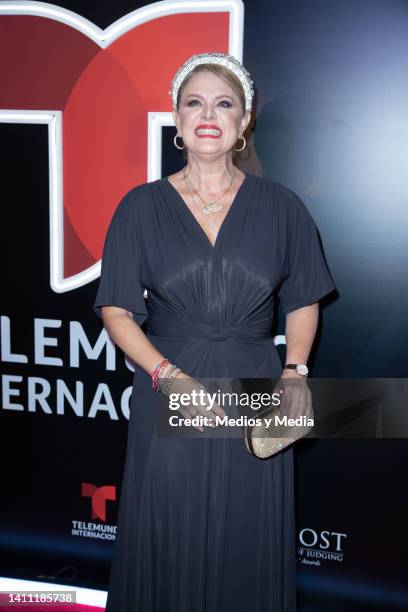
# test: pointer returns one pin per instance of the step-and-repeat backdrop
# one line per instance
(84, 116)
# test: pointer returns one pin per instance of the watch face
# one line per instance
(302, 369)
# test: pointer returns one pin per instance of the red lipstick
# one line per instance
(211, 131)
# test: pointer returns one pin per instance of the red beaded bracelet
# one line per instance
(154, 374)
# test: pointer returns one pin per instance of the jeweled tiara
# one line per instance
(229, 61)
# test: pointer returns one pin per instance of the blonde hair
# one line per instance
(223, 73)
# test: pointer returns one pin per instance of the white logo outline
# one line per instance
(54, 118)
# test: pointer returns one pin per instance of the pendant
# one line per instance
(215, 207)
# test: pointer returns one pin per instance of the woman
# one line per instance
(203, 525)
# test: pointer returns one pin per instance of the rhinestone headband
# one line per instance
(229, 61)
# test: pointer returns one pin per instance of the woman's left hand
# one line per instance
(296, 398)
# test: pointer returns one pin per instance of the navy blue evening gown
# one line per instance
(203, 526)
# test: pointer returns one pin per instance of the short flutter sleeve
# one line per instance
(120, 284)
(307, 278)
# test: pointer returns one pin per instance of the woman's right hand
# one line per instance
(183, 383)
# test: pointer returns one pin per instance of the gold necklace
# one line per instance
(209, 207)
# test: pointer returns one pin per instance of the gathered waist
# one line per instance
(172, 325)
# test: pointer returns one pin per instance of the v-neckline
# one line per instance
(233, 205)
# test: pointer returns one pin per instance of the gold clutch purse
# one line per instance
(282, 425)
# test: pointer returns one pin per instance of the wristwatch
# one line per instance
(301, 368)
